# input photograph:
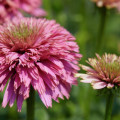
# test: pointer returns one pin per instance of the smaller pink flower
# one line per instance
(8, 10)
(14, 8)
(108, 3)
(32, 7)
(104, 71)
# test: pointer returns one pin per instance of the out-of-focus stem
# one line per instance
(109, 104)
(103, 15)
(31, 104)
(48, 8)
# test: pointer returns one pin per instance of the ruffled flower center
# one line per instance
(19, 37)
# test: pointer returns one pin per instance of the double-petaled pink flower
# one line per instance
(14, 8)
(104, 71)
(108, 3)
(40, 53)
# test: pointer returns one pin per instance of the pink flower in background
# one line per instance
(14, 8)
(40, 53)
(8, 10)
(104, 71)
(108, 3)
(31, 7)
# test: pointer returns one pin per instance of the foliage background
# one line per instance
(82, 19)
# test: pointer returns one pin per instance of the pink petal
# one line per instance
(24, 76)
(19, 102)
(8, 93)
(39, 85)
(86, 78)
(56, 62)
(12, 99)
(64, 89)
(99, 85)
(34, 73)
(3, 75)
(109, 85)
(57, 94)
(88, 69)
(50, 82)
(16, 81)
(39, 12)
(46, 70)
(11, 57)
(71, 80)
(2, 85)
(46, 98)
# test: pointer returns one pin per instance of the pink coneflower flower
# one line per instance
(108, 3)
(104, 71)
(13, 8)
(40, 53)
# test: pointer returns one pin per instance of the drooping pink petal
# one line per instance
(46, 70)
(8, 93)
(46, 97)
(2, 85)
(99, 85)
(3, 75)
(19, 102)
(86, 78)
(64, 89)
(12, 99)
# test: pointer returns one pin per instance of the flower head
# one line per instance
(40, 53)
(108, 3)
(104, 71)
(13, 8)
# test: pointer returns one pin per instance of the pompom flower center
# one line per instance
(19, 37)
(110, 65)
(22, 32)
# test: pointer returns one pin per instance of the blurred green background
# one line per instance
(82, 19)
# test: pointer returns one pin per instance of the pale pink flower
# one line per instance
(40, 53)
(104, 71)
(108, 3)
(14, 8)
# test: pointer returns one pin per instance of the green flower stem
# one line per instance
(47, 6)
(103, 16)
(30, 105)
(109, 104)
